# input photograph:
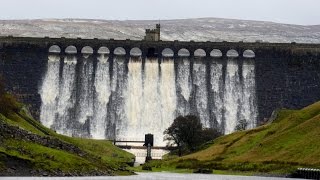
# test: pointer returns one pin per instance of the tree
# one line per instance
(187, 132)
(7, 101)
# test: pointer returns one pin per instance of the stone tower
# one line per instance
(153, 34)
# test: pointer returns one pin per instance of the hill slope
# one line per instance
(290, 141)
(202, 29)
(28, 148)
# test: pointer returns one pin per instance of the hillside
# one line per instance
(290, 141)
(201, 29)
(28, 148)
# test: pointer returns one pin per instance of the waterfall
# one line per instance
(49, 91)
(66, 100)
(167, 98)
(201, 93)
(248, 101)
(216, 81)
(107, 98)
(120, 90)
(151, 98)
(231, 95)
(85, 110)
(134, 100)
(183, 84)
(102, 87)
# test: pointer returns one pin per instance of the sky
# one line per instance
(304, 12)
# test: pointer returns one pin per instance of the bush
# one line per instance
(146, 167)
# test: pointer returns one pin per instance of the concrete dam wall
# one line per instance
(124, 94)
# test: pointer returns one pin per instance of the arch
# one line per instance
(54, 49)
(71, 50)
(249, 54)
(167, 52)
(87, 50)
(232, 53)
(184, 52)
(120, 51)
(103, 50)
(216, 53)
(135, 52)
(200, 53)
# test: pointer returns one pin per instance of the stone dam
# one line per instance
(123, 89)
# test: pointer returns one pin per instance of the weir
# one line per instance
(107, 98)
(103, 91)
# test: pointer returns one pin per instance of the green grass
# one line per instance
(291, 141)
(46, 158)
(102, 155)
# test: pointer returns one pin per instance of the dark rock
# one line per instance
(203, 171)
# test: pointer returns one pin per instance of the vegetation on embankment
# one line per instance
(290, 141)
(28, 148)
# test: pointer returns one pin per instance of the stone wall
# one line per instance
(287, 75)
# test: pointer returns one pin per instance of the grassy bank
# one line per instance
(28, 148)
(289, 142)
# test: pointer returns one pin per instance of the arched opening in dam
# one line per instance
(167, 52)
(249, 54)
(103, 50)
(216, 53)
(232, 53)
(54, 49)
(71, 50)
(184, 52)
(135, 52)
(120, 51)
(87, 51)
(118, 98)
(200, 53)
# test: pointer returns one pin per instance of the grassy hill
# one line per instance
(292, 140)
(28, 148)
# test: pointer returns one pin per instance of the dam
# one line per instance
(123, 89)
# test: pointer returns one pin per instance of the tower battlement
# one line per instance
(153, 34)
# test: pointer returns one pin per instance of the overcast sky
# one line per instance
(305, 12)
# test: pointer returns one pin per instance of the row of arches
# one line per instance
(167, 52)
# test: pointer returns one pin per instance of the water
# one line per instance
(232, 94)
(157, 175)
(107, 98)
(102, 87)
(50, 91)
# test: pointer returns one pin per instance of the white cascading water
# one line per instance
(216, 81)
(184, 85)
(133, 100)
(85, 111)
(167, 98)
(248, 101)
(49, 91)
(102, 87)
(231, 95)
(199, 81)
(121, 120)
(151, 99)
(66, 100)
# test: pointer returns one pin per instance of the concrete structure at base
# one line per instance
(287, 74)
(153, 34)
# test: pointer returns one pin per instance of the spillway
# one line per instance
(123, 99)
